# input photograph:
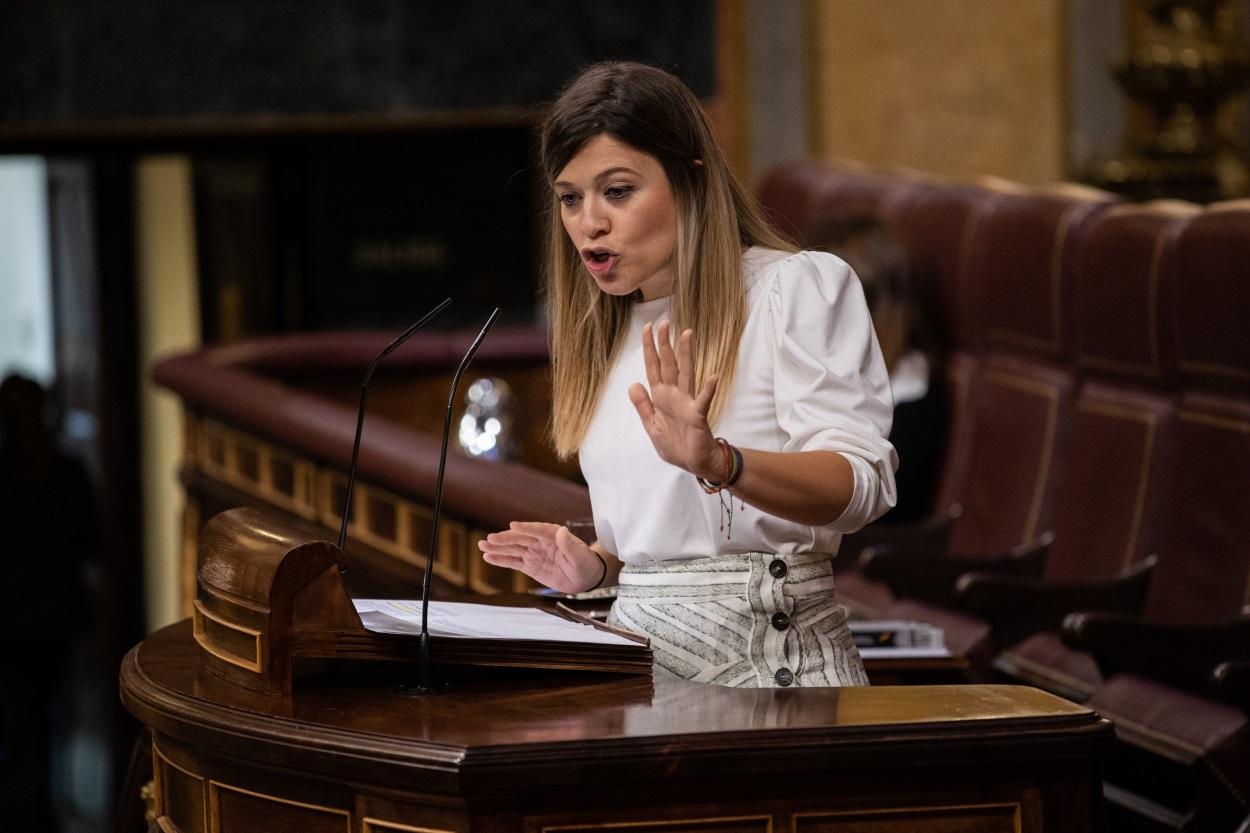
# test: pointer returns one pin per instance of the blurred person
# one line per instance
(910, 348)
(47, 514)
(721, 487)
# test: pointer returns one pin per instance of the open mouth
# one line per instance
(600, 261)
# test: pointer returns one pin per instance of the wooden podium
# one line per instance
(244, 739)
(531, 751)
(270, 592)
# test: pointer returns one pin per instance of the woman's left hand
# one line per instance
(674, 417)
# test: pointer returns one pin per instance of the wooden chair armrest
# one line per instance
(1180, 655)
(1018, 606)
(932, 578)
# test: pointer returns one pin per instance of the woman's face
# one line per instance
(618, 209)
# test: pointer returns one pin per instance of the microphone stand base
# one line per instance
(423, 668)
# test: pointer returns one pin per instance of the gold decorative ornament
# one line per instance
(1186, 69)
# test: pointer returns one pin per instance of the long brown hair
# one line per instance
(653, 111)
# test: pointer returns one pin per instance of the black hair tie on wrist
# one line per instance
(602, 577)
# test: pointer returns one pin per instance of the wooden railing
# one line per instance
(270, 423)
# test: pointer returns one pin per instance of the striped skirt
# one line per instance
(751, 620)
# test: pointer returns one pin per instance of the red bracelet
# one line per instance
(733, 469)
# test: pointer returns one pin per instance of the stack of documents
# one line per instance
(477, 634)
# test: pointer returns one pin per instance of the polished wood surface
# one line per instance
(270, 592)
(531, 751)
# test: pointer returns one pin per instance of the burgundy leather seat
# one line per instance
(1101, 363)
(1010, 445)
(788, 191)
(933, 222)
(936, 224)
(859, 193)
(797, 194)
(1161, 691)
(1020, 283)
(1109, 493)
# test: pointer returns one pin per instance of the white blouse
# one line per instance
(810, 376)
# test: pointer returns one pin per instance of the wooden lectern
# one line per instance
(270, 591)
(236, 748)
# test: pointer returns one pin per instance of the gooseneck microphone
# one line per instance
(360, 417)
(425, 680)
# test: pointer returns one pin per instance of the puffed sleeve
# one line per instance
(832, 391)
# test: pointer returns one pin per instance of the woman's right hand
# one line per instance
(547, 553)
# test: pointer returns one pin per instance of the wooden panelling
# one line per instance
(236, 810)
(379, 826)
(731, 824)
(180, 795)
(957, 89)
(985, 818)
(630, 754)
(391, 524)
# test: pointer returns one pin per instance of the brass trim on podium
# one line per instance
(1015, 807)
(369, 824)
(201, 613)
(215, 787)
(663, 824)
(220, 450)
(162, 807)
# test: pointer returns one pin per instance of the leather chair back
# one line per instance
(1204, 537)
(937, 224)
(857, 193)
(1018, 268)
(786, 194)
(1109, 493)
(1209, 299)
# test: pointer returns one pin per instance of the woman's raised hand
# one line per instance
(547, 553)
(674, 417)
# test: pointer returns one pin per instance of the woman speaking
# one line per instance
(725, 394)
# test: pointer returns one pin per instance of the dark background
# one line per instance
(68, 61)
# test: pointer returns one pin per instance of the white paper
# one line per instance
(460, 619)
(908, 635)
(904, 653)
